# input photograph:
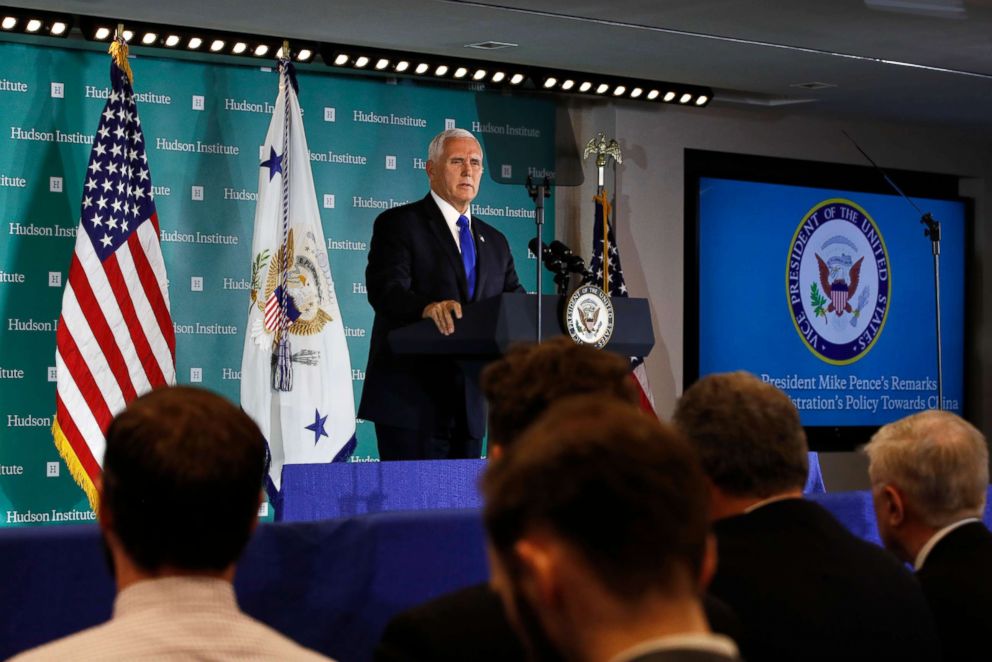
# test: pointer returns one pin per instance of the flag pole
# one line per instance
(604, 151)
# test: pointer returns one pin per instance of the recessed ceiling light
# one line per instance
(341, 59)
(172, 40)
(33, 25)
(149, 38)
(10, 21)
(498, 77)
(58, 28)
(361, 61)
(194, 43)
(402, 66)
(516, 79)
(585, 87)
(422, 68)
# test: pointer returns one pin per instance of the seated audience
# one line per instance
(179, 498)
(803, 586)
(930, 474)
(470, 624)
(598, 537)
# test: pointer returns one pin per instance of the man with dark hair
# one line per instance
(803, 586)
(607, 559)
(930, 476)
(179, 498)
(471, 624)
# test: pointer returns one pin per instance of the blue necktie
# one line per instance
(468, 254)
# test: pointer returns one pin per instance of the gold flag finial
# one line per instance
(118, 50)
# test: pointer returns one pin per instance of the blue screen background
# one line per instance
(745, 230)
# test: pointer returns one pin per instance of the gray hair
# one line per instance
(436, 148)
(938, 460)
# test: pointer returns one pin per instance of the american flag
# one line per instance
(115, 339)
(609, 275)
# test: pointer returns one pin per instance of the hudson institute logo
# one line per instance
(838, 281)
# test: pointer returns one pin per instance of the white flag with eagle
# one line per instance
(295, 370)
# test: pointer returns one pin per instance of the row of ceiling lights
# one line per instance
(362, 59)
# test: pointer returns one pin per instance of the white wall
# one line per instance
(650, 201)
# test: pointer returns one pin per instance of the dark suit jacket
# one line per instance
(957, 580)
(413, 261)
(470, 624)
(805, 588)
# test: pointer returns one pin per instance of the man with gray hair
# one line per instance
(426, 260)
(930, 475)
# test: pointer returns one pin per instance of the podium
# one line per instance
(488, 328)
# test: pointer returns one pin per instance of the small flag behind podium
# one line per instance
(608, 274)
(115, 339)
(295, 369)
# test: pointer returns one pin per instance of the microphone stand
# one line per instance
(933, 232)
(538, 193)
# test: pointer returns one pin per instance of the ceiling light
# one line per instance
(341, 59)
(381, 64)
(479, 74)
(402, 66)
(10, 21)
(460, 72)
(567, 84)
(217, 45)
(128, 35)
(498, 77)
(603, 87)
(516, 79)
(619, 90)
(361, 61)
(261, 50)
(585, 87)
(701, 100)
(33, 25)
(550, 82)
(441, 70)
(194, 43)
(172, 40)
(669, 96)
(101, 33)
(685, 98)
(636, 92)
(422, 68)
(149, 38)
(239, 48)
(58, 28)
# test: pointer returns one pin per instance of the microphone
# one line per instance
(572, 262)
(551, 261)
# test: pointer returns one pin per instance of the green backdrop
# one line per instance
(204, 124)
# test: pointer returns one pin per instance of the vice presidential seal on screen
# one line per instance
(838, 281)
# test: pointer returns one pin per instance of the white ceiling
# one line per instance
(931, 64)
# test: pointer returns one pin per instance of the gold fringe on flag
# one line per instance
(118, 50)
(607, 209)
(75, 468)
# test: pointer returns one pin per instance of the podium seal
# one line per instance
(589, 316)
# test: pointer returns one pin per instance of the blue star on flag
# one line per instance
(274, 163)
(317, 427)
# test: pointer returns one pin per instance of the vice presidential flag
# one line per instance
(115, 339)
(607, 274)
(295, 370)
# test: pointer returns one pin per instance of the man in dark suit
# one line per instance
(599, 543)
(804, 587)
(930, 476)
(426, 260)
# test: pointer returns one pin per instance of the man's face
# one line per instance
(456, 175)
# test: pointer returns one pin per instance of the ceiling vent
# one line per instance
(813, 85)
(491, 45)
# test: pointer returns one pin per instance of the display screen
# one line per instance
(828, 293)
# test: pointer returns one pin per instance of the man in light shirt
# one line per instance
(930, 475)
(427, 259)
(598, 538)
(179, 498)
(803, 586)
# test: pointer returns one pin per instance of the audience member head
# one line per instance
(181, 485)
(749, 438)
(531, 376)
(597, 528)
(927, 471)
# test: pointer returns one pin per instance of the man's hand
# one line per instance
(443, 313)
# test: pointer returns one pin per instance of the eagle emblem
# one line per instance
(832, 281)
